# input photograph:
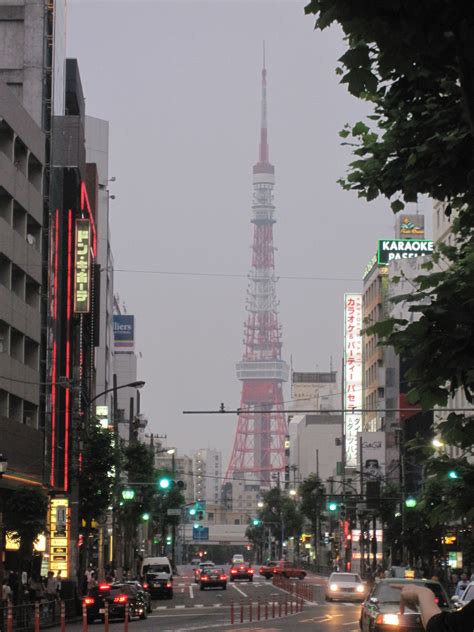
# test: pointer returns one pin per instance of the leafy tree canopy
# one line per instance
(25, 517)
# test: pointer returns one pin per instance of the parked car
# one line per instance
(465, 598)
(345, 587)
(267, 570)
(116, 596)
(202, 566)
(287, 569)
(146, 595)
(241, 571)
(157, 575)
(381, 610)
(212, 577)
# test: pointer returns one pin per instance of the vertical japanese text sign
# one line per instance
(82, 267)
(352, 375)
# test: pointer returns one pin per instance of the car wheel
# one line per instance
(170, 594)
(250, 579)
(268, 576)
(201, 587)
(143, 615)
(328, 598)
(231, 579)
(224, 587)
(90, 620)
(302, 576)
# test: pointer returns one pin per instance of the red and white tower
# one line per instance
(259, 446)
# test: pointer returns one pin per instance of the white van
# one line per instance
(157, 576)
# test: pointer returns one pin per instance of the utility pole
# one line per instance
(173, 525)
(116, 530)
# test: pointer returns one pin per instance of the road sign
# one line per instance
(173, 512)
(201, 533)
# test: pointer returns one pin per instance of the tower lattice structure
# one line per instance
(259, 446)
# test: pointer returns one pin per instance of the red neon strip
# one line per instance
(85, 204)
(68, 351)
(53, 373)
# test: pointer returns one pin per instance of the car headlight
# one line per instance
(333, 587)
(387, 619)
(360, 588)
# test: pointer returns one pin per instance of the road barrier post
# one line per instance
(286, 606)
(37, 616)
(258, 609)
(84, 617)
(273, 608)
(126, 618)
(266, 611)
(106, 617)
(280, 605)
(62, 616)
(250, 610)
(291, 604)
(241, 611)
(232, 612)
(9, 618)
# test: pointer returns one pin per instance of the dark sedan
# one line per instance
(241, 571)
(213, 578)
(116, 596)
(381, 611)
(142, 588)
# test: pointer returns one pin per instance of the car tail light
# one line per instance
(223, 577)
(261, 569)
(169, 584)
(251, 571)
(89, 601)
(204, 578)
(436, 599)
(274, 570)
(387, 619)
(104, 586)
(120, 599)
(233, 571)
(145, 586)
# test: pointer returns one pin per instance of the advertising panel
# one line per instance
(59, 533)
(82, 267)
(373, 454)
(124, 331)
(393, 249)
(352, 375)
(411, 226)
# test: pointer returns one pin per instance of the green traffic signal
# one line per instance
(164, 482)
(128, 494)
(410, 502)
(256, 522)
(453, 475)
(192, 511)
(146, 516)
(332, 506)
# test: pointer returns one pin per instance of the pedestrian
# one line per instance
(461, 585)
(35, 588)
(92, 583)
(432, 617)
(51, 592)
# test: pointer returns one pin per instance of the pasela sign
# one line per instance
(393, 249)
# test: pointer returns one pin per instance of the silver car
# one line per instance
(345, 587)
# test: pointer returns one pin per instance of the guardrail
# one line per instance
(248, 611)
(29, 617)
(296, 588)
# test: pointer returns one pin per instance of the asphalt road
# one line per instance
(193, 609)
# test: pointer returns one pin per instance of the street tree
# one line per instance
(413, 64)
(312, 493)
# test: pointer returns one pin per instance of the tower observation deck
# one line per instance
(259, 446)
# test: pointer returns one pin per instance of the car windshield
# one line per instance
(122, 589)
(385, 593)
(206, 565)
(345, 577)
(157, 568)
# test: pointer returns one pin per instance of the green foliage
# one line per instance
(311, 492)
(25, 517)
(414, 63)
(96, 481)
(138, 463)
(280, 514)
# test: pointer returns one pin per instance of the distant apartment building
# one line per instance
(207, 470)
(315, 390)
(22, 156)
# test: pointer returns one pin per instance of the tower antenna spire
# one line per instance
(263, 153)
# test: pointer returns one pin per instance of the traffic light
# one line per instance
(164, 483)
(169, 539)
(453, 475)
(128, 494)
(146, 516)
(256, 522)
(192, 511)
(332, 506)
(410, 502)
(200, 515)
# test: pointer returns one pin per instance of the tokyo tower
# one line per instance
(259, 446)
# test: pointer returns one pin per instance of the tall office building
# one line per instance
(207, 471)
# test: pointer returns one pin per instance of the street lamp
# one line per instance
(437, 443)
(3, 469)
(293, 492)
(260, 504)
(136, 384)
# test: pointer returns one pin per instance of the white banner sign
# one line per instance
(352, 375)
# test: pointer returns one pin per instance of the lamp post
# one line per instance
(3, 469)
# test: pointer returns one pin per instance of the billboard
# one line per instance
(82, 267)
(372, 455)
(352, 375)
(393, 249)
(411, 226)
(124, 332)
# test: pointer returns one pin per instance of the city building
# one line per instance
(180, 466)
(22, 158)
(207, 470)
(315, 391)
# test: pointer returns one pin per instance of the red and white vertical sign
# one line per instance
(352, 375)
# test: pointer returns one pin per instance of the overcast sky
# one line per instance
(180, 84)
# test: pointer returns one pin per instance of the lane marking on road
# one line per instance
(180, 607)
(199, 605)
(350, 623)
(238, 590)
(191, 591)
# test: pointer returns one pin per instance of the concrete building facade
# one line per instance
(315, 390)
(22, 157)
(207, 469)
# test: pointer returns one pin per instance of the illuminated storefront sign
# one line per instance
(393, 249)
(11, 544)
(352, 375)
(82, 273)
(411, 226)
(59, 535)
